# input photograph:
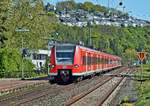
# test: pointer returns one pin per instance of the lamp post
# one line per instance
(49, 46)
(108, 4)
(22, 30)
(51, 42)
(89, 38)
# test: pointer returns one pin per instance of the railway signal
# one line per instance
(142, 55)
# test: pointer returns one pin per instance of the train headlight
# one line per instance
(52, 66)
(76, 66)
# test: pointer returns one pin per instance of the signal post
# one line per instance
(141, 57)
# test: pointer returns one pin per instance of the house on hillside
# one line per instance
(38, 58)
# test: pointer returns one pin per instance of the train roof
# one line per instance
(93, 50)
(86, 48)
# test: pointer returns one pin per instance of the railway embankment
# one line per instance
(127, 94)
(136, 89)
(143, 86)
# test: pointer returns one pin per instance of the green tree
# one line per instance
(88, 6)
(22, 14)
(4, 16)
(10, 62)
(69, 5)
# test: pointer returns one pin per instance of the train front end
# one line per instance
(61, 62)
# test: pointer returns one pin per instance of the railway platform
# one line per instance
(11, 84)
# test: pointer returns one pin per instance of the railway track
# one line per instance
(19, 92)
(82, 99)
(25, 96)
(112, 92)
(107, 95)
(80, 96)
(43, 91)
(12, 86)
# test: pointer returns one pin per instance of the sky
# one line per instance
(137, 8)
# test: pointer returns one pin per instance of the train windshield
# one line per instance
(65, 54)
(64, 57)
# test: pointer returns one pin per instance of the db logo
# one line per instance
(64, 67)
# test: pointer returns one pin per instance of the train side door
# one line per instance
(89, 61)
(100, 62)
(86, 61)
(97, 62)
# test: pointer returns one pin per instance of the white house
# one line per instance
(39, 57)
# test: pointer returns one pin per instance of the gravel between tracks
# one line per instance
(128, 91)
(60, 97)
(97, 94)
(59, 94)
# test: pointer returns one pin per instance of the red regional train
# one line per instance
(70, 62)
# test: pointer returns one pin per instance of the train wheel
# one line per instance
(80, 78)
(51, 81)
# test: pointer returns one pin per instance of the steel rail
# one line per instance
(107, 95)
(82, 95)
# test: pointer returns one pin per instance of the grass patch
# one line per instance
(144, 87)
(126, 104)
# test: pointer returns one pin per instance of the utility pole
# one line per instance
(108, 4)
(22, 67)
(51, 42)
(123, 9)
(89, 38)
(48, 46)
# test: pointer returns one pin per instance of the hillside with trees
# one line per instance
(22, 15)
(44, 26)
(87, 6)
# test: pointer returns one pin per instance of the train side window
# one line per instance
(94, 60)
(110, 61)
(99, 60)
(84, 60)
(89, 60)
(107, 61)
(102, 60)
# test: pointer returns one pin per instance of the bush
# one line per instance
(11, 64)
